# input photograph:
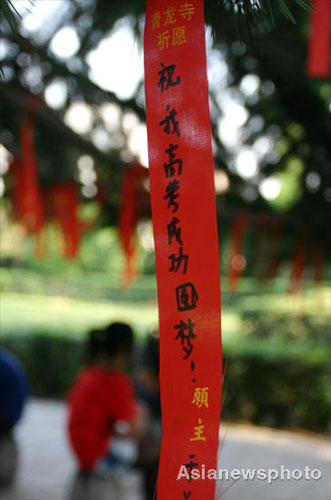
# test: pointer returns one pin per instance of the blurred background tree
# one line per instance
(271, 122)
(271, 138)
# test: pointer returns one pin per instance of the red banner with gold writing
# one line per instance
(186, 246)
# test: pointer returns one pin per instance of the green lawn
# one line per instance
(63, 315)
(71, 303)
(24, 313)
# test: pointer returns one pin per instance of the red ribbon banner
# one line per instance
(186, 246)
(63, 200)
(128, 218)
(31, 204)
(319, 49)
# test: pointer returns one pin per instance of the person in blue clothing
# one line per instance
(13, 394)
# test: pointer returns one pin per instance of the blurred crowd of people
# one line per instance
(114, 416)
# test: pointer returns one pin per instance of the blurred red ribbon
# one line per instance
(63, 202)
(28, 193)
(186, 245)
(128, 217)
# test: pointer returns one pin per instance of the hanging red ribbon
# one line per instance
(63, 202)
(319, 49)
(128, 217)
(30, 205)
(186, 245)
(298, 266)
(237, 261)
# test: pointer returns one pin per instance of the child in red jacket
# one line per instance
(102, 403)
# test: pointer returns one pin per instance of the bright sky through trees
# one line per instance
(116, 64)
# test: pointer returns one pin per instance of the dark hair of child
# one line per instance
(150, 357)
(116, 338)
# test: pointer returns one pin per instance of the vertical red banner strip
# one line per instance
(63, 200)
(319, 49)
(186, 246)
(29, 176)
(128, 218)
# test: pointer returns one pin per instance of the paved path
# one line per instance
(47, 465)
(254, 447)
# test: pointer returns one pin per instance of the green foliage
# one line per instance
(253, 16)
(51, 363)
(291, 185)
(281, 327)
(278, 391)
(67, 317)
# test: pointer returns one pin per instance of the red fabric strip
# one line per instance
(31, 204)
(319, 49)
(63, 200)
(128, 218)
(186, 245)
(23, 212)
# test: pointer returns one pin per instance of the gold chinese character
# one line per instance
(156, 20)
(198, 431)
(179, 35)
(186, 11)
(163, 40)
(200, 397)
(169, 14)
